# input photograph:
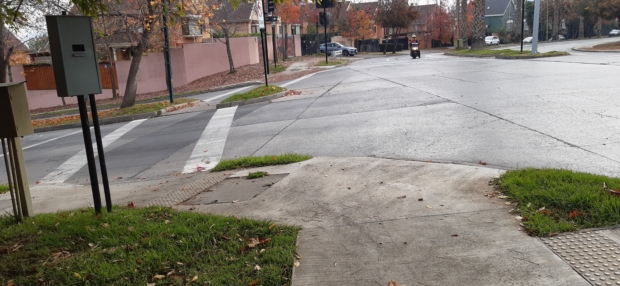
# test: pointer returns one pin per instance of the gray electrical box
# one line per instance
(14, 111)
(72, 46)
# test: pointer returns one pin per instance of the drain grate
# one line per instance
(593, 255)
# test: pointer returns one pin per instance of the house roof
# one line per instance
(425, 11)
(340, 11)
(368, 6)
(243, 13)
(496, 7)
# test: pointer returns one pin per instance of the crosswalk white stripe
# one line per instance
(47, 141)
(225, 94)
(75, 163)
(210, 147)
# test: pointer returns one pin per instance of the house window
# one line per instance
(254, 29)
(295, 30)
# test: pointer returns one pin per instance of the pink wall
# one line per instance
(293, 47)
(193, 61)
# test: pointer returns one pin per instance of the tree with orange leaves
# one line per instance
(289, 12)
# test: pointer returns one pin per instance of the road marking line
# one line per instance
(47, 141)
(225, 94)
(210, 147)
(75, 163)
(296, 80)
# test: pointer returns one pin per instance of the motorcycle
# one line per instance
(415, 50)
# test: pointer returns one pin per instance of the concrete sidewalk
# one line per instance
(367, 220)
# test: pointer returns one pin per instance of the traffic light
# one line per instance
(271, 6)
(324, 19)
(324, 3)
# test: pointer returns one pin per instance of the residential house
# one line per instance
(420, 27)
(500, 15)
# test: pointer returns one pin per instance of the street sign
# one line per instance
(261, 14)
(271, 19)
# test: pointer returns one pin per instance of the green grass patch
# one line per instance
(255, 175)
(141, 246)
(250, 162)
(329, 63)
(506, 53)
(277, 69)
(255, 93)
(4, 189)
(571, 200)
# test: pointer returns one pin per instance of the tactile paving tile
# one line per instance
(593, 255)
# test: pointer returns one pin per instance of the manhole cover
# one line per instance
(235, 190)
(593, 255)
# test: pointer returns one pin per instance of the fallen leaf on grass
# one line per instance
(257, 268)
(194, 279)
(130, 229)
(159, 277)
(297, 255)
(272, 226)
(392, 283)
(296, 263)
(254, 282)
(106, 225)
(615, 193)
(573, 214)
(77, 275)
(130, 205)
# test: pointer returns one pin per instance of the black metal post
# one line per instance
(90, 156)
(104, 169)
(522, 20)
(167, 56)
(325, 26)
(273, 44)
(265, 62)
(265, 52)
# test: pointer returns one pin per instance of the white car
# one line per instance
(528, 40)
(614, 33)
(492, 40)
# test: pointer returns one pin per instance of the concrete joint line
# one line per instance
(189, 191)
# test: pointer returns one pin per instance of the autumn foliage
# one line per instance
(441, 24)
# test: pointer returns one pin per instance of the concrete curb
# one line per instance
(467, 56)
(227, 87)
(501, 57)
(251, 101)
(583, 49)
(113, 120)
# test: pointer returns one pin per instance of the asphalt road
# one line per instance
(558, 112)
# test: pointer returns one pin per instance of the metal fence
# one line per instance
(310, 43)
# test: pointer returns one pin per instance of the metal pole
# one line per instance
(9, 175)
(325, 26)
(167, 56)
(22, 189)
(458, 27)
(90, 156)
(102, 165)
(265, 52)
(273, 44)
(522, 20)
(547, 22)
(535, 31)
(265, 63)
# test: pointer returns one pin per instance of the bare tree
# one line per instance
(395, 14)
(224, 26)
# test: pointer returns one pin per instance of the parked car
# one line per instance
(528, 40)
(560, 38)
(614, 33)
(346, 51)
(492, 40)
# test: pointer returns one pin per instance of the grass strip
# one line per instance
(142, 246)
(116, 112)
(256, 175)
(249, 162)
(4, 189)
(255, 93)
(277, 69)
(552, 201)
(507, 53)
(329, 63)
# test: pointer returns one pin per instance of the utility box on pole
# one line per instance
(72, 46)
(14, 111)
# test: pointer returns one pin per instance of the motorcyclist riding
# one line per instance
(414, 46)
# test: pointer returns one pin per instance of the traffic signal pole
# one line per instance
(325, 26)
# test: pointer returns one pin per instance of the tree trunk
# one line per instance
(10, 72)
(463, 19)
(556, 20)
(230, 59)
(3, 62)
(519, 20)
(581, 36)
(129, 98)
(599, 27)
(479, 26)
(285, 52)
(112, 73)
